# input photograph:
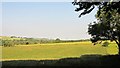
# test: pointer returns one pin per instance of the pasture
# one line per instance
(55, 51)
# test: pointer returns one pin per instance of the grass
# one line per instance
(55, 50)
(9, 38)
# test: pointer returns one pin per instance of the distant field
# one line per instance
(9, 38)
(55, 50)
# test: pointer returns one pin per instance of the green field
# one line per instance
(55, 50)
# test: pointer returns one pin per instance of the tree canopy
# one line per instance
(87, 7)
(107, 26)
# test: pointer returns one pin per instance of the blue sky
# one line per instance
(37, 0)
(0, 18)
(44, 20)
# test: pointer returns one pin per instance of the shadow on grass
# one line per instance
(84, 60)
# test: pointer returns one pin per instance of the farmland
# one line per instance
(55, 50)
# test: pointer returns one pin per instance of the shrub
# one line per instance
(105, 44)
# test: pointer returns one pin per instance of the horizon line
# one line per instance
(42, 37)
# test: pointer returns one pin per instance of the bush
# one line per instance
(7, 43)
(105, 44)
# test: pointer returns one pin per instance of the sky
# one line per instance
(44, 20)
(37, 0)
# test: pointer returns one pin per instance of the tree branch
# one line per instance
(116, 42)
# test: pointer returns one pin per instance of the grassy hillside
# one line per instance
(55, 50)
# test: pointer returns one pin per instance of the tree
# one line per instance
(107, 26)
(7, 43)
(57, 40)
(87, 7)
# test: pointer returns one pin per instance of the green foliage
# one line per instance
(107, 27)
(7, 43)
(102, 5)
(105, 44)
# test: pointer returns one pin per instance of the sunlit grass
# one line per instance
(56, 50)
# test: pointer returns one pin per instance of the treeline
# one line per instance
(75, 40)
(27, 41)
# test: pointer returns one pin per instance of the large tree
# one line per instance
(108, 20)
